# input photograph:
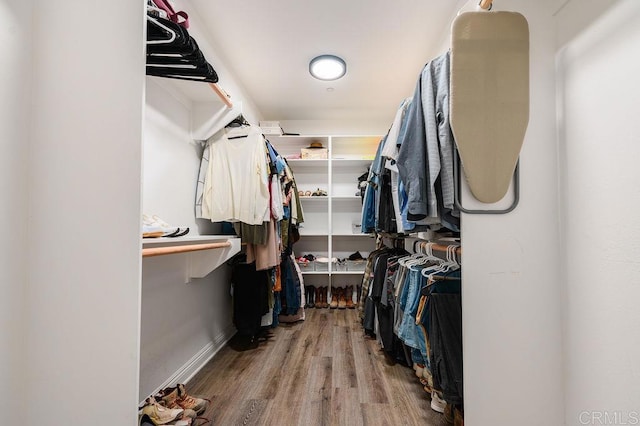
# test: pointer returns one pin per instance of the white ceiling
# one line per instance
(268, 45)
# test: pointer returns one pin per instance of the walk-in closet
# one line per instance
(203, 229)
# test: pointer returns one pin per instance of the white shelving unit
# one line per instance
(328, 226)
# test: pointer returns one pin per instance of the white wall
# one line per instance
(171, 158)
(15, 88)
(600, 199)
(183, 325)
(511, 300)
(81, 331)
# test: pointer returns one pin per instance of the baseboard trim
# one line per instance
(199, 360)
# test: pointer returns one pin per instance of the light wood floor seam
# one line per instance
(322, 371)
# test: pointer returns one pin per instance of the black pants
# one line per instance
(445, 335)
(250, 297)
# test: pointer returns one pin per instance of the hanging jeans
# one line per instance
(290, 287)
(409, 332)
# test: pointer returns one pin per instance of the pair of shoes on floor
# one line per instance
(342, 298)
(174, 406)
(154, 226)
(153, 413)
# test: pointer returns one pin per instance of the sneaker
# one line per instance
(177, 397)
(154, 226)
(437, 404)
(158, 414)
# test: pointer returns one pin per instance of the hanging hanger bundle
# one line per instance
(171, 51)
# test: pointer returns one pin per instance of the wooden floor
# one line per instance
(322, 371)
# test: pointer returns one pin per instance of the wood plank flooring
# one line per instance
(322, 371)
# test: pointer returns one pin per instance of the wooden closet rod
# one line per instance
(486, 4)
(159, 251)
(441, 248)
(224, 96)
(434, 247)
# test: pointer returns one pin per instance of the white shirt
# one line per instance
(237, 183)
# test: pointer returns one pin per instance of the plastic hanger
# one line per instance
(168, 31)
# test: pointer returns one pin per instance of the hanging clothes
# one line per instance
(236, 187)
(426, 153)
(415, 187)
(400, 293)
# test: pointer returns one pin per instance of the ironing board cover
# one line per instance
(489, 102)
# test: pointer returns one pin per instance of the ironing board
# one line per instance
(489, 103)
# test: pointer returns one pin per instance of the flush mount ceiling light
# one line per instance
(327, 67)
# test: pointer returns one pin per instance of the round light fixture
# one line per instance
(327, 67)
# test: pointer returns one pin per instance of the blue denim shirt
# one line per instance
(369, 205)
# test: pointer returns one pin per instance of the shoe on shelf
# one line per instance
(355, 256)
(159, 414)
(437, 403)
(154, 226)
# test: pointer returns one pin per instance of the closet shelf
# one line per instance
(316, 198)
(199, 254)
(346, 198)
(303, 161)
(352, 235)
(347, 272)
(351, 162)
